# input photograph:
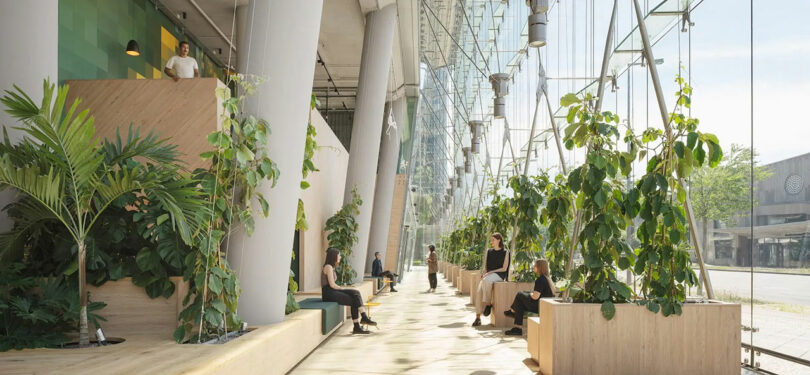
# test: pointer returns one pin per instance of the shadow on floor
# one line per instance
(453, 325)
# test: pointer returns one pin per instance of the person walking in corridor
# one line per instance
(496, 268)
(433, 267)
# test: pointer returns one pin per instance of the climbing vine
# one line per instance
(525, 205)
(239, 164)
(663, 259)
(342, 228)
(601, 200)
(557, 215)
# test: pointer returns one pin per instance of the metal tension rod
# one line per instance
(599, 93)
(662, 106)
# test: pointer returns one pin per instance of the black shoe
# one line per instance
(515, 331)
(509, 313)
(487, 310)
(360, 331)
(477, 322)
(368, 322)
(394, 290)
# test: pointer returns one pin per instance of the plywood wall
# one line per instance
(185, 112)
(395, 224)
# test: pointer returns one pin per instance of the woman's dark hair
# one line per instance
(332, 257)
(432, 248)
(499, 238)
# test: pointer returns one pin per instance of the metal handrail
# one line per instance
(776, 354)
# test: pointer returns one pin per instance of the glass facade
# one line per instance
(753, 213)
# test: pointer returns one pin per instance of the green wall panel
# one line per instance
(93, 35)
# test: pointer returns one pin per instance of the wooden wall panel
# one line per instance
(185, 111)
(395, 224)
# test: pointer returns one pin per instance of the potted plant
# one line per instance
(618, 330)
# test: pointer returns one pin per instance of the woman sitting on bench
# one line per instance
(496, 268)
(527, 301)
(331, 292)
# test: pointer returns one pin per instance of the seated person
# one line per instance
(377, 270)
(527, 301)
(496, 268)
(331, 292)
(184, 66)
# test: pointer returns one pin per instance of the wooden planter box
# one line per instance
(130, 311)
(473, 281)
(576, 339)
(503, 295)
(466, 280)
(454, 275)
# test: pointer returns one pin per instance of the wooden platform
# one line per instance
(503, 294)
(266, 350)
(185, 111)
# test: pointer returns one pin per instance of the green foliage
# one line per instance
(309, 166)
(342, 228)
(599, 196)
(292, 288)
(525, 205)
(68, 180)
(557, 216)
(239, 164)
(663, 259)
(35, 312)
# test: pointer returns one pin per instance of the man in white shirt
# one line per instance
(184, 66)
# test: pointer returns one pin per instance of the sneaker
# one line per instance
(509, 313)
(487, 310)
(360, 331)
(477, 322)
(515, 331)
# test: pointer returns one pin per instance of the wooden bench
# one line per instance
(533, 337)
(376, 283)
(503, 293)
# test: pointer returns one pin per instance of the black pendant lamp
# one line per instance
(133, 49)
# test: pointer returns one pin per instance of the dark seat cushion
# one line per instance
(331, 313)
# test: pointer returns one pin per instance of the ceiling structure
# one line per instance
(340, 44)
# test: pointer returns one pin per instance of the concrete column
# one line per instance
(375, 63)
(384, 192)
(283, 38)
(29, 45)
(242, 40)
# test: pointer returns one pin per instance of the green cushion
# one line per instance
(331, 313)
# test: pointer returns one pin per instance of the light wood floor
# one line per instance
(420, 333)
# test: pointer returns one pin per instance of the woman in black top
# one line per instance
(331, 292)
(496, 268)
(528, 301)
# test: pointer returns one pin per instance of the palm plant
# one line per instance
(67, 177)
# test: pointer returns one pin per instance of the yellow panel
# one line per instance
(139, 76)
(168, 45)
(156, 73)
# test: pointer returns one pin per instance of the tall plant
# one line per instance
(663, 259)
(557, 216)
(342, 228)
(600, 198)
(239, 164)
(62, 172)
(525, 205)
